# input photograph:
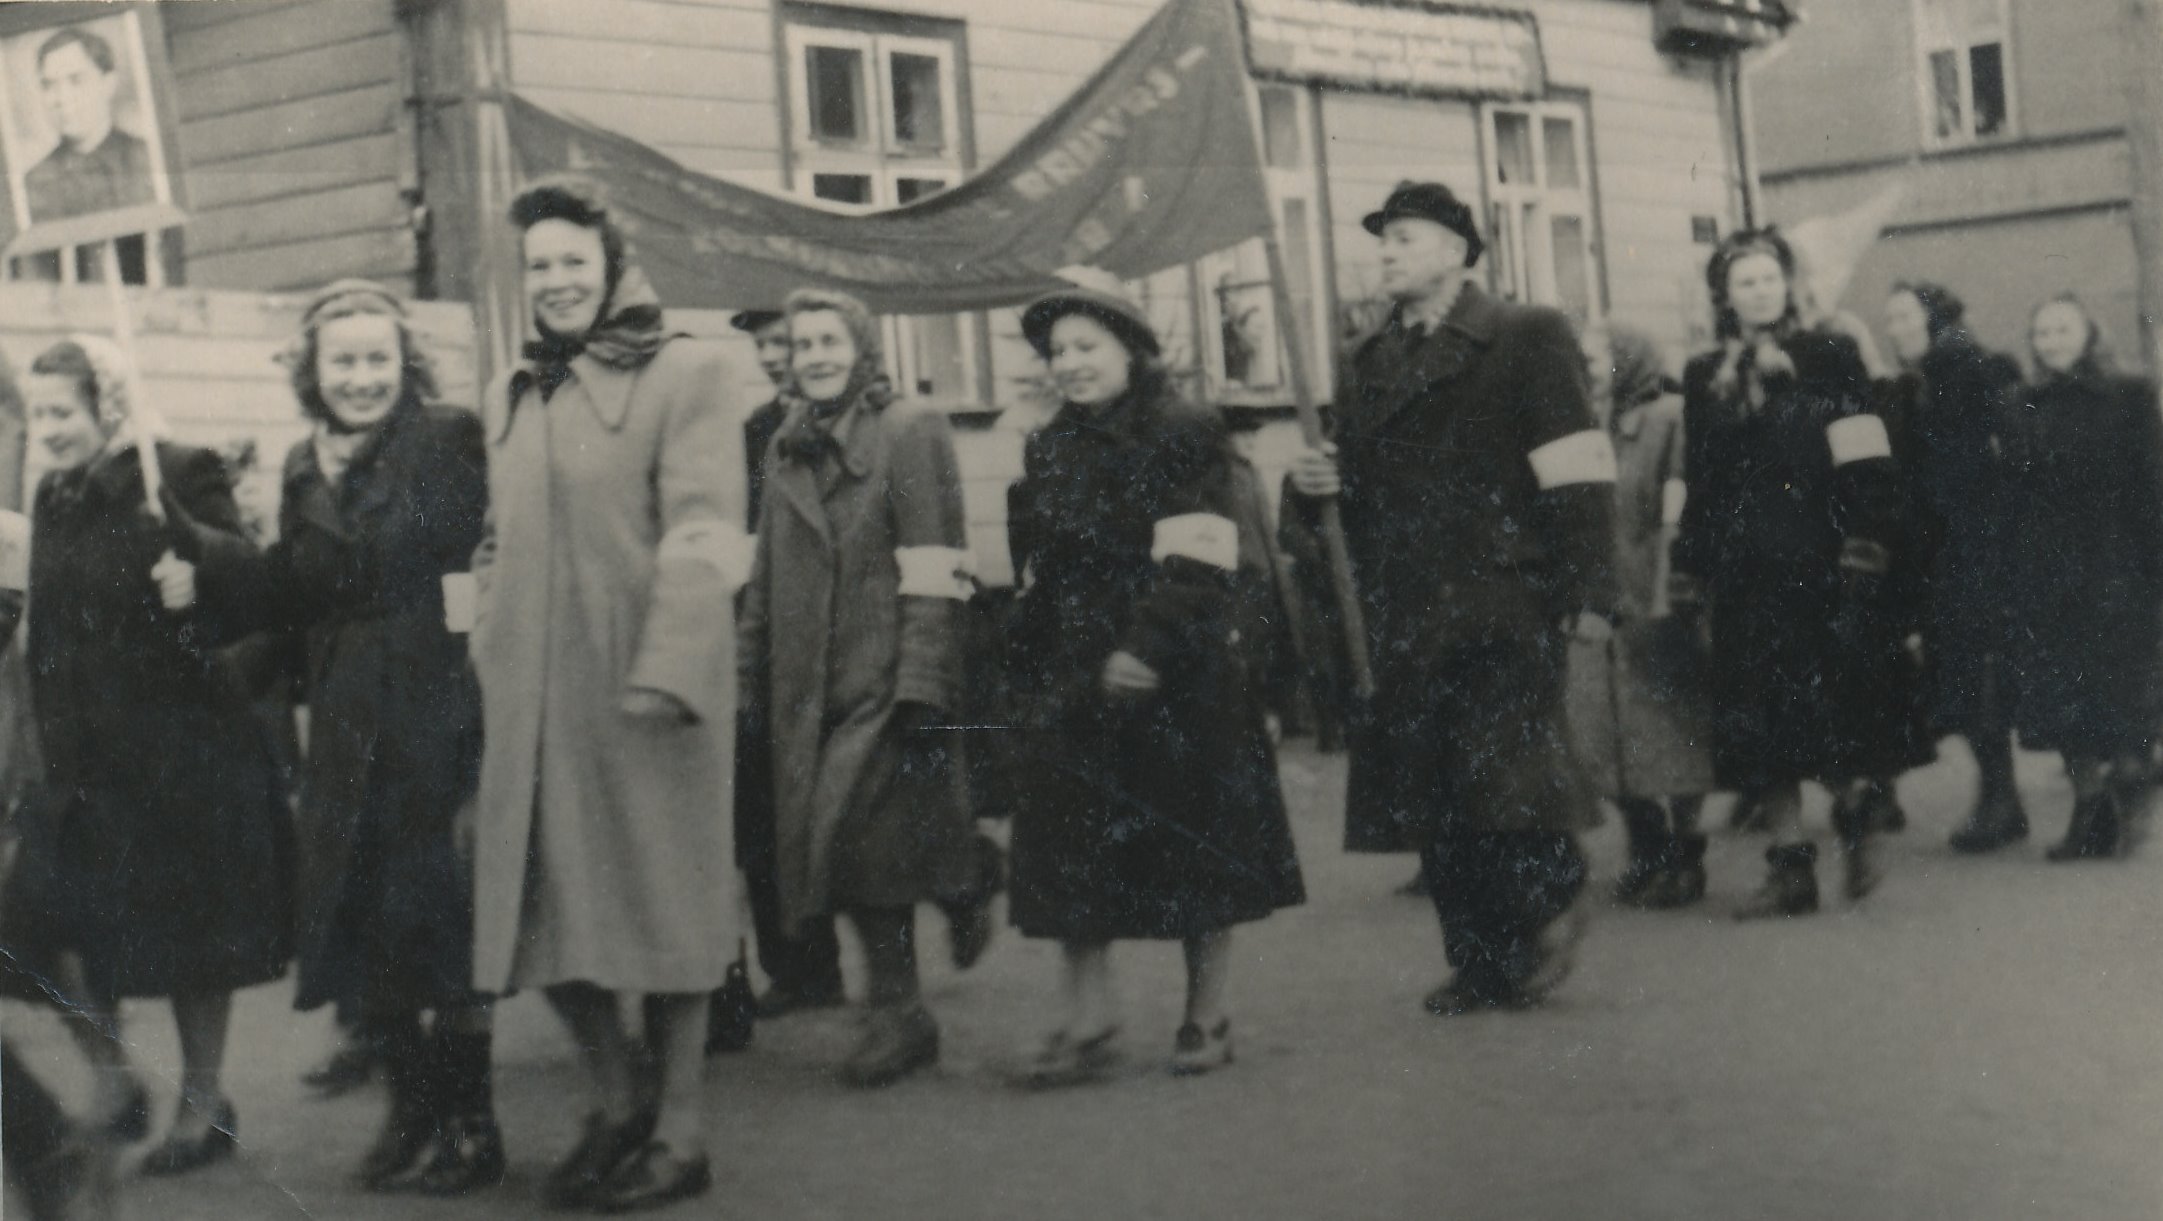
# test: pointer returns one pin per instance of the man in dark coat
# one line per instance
(1477, 492)
(96, 166)
(805, 968)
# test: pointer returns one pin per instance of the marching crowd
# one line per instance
(740, 662)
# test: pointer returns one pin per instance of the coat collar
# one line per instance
(1430, 361)
(606, 390)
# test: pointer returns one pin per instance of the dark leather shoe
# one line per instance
(467, 1157)
(579, 1179)
(343, 1071)
(2094, 833)
(181, 1156)
(1997, 821)
(656, 1176)
(407, 1131)
(898, 1040)
(131, 1121)
(1467, 992)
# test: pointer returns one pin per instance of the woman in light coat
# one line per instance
(1637, 701)
(604, 646)
(852, 655)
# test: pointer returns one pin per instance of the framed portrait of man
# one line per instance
(85, 136)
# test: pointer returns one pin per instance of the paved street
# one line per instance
(1978, 1041)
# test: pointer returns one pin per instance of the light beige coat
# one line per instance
(603, 849)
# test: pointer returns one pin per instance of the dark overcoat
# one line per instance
(1946, 420)
(1477, 506)
(869, 809)
(385, 902)
(170, 839)
(1148, 815)
(1811, 677)
(2084, 461)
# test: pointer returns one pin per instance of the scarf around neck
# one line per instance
(625, 335)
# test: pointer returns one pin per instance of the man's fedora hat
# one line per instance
(1429, 201)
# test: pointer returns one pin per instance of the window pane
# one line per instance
(909, 190)
(1506, 254)
(1281, 145)
(1561, 137)
(1573, 267)
(1986, 69)
(842, 188)
(835, 78)
(1945, 94)
(919, 109)
(935, 341)
(1513, 149)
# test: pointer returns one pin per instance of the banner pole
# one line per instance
(1310, 427)
(146, 453)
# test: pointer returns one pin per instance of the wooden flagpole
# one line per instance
(146, 453)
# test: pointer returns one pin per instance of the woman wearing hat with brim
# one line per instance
(1152, 808)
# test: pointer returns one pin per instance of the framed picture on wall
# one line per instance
(85, 137)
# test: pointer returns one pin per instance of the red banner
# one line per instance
(1152, 163)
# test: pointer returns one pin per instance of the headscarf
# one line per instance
(811, 438)
(626, 330)
(1640, 374)
(119, 402)
(1749, 362)
(2096, 361)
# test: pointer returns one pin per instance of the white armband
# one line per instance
(1673, 495)
(1858, 438)
(1581, 457)
(721, 546)
(935, 572)
(1202, 537)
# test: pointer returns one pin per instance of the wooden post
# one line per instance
(1290, 327)
(499, 316)
(146, 450)
(2144, 140)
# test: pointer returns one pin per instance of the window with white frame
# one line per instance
(1962, 50)
(875, 122)
(1242, 347)
(1540, 239)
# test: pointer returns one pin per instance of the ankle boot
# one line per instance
(414, 1072)
(898, 1040)
(1998, 820)
(467, 1153)
(1791, 884)
(1684, 881)
(2093, 833)
(1651, 854)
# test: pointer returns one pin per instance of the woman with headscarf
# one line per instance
(1791, 527)
(2084, 464)
(605, 651)
(1154, 810)
(1947, 409)
(1639, 707)
(382, 506)
(161, 870)
(852, 631)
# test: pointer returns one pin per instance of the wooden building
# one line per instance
(315, 138)
(2007, 121)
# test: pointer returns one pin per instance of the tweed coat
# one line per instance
(1467, 568)
(603, 849)
(869, 810)
(1638, 702)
